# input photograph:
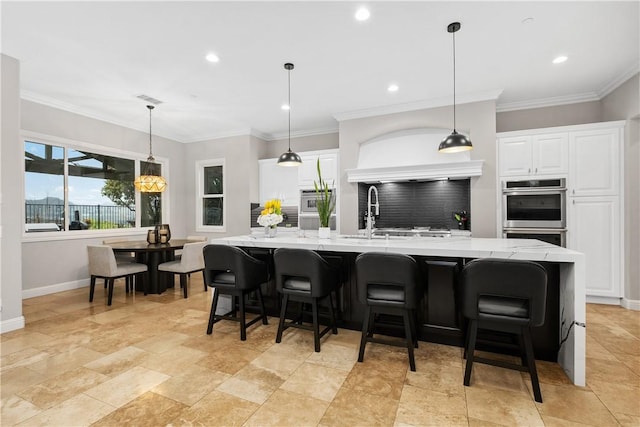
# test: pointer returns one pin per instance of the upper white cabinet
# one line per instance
(285, 183)
(533, 154)
(595, 162)
(308, 170)
(278, 182)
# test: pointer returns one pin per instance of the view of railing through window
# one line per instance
(82, 216)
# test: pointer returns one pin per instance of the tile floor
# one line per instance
(148, 361)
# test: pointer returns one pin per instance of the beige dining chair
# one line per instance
(121, 257)
(191, 261)
(103, 265)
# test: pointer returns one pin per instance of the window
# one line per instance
(210, 209)
(73, 188)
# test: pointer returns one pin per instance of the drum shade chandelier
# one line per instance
(148, 181)
(289, 158)
(455, 142)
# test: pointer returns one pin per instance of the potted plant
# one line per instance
(325, 203)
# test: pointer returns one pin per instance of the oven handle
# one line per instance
(534, 230)
(541, 191)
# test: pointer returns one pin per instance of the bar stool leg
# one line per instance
(316, 326)
(212, 315)
(366, 324)
(526, 337)
(262, 312)
(243, 320)
(473, 335)
(283, 312)
(334, 328)
(409, 339)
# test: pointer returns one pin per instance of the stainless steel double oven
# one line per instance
(535, 209)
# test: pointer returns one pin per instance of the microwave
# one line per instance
(308, 200)
(534, 204)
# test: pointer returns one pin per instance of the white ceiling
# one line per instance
(94, 58)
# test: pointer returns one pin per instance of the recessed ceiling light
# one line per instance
(560, 59)
(212, 57)
(527, 20)
(363, 14)
(393, 87)
(285, 107)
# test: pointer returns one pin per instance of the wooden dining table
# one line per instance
(152, 254)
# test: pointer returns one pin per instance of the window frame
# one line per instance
(199, 190)
(66, 144)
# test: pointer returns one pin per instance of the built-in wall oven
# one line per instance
(535, 209)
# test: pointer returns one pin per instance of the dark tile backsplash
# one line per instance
(418, 204)
(290, 214)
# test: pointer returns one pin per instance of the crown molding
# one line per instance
(547, 102)
(468, 98)
(618, 81)
(301, 133)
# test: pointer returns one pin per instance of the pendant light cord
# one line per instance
(454, 81)
(289, 102)
(151, 159)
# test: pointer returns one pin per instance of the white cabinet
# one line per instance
(533, 154)
(285, 183)
(308, 171)
(278, 182)
(594, 229)
(595, 162)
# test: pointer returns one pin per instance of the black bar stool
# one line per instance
(506, 296)
(232, 271)
(303, 275)
(389, 284)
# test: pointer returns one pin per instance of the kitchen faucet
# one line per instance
(370, 219)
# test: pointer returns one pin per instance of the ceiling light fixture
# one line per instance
(289, 158)
(212, 57)
(362, 14)
(560, 59)
(455, 142)
(393, 88)
(148, 181)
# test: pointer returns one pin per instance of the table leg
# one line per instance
(155, 287)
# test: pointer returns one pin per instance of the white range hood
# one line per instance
(411, 155)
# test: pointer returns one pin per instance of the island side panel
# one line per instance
(573, 321)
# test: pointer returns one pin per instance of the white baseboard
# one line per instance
(631, 304)
(52, 289)
(11, 324)
(591, 299)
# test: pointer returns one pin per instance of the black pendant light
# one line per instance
(289, 158)
(455, 142)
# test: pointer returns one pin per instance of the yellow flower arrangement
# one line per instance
(271, 215)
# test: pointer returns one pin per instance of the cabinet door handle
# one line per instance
(573, 191)
(529, 170)
(536, 170)
(574, 202)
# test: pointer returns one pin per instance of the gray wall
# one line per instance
(624, 103)
(477, 119)
(325, 141)
(559, 115)
(241, 159)
(65, 261)
(11, 155)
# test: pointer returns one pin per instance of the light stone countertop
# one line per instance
(454, 246)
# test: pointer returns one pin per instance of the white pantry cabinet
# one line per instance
(522, 154)
(594, 229)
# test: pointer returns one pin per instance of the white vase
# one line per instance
(270, 231)
(324, 233)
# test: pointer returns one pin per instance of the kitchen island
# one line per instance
(570, 264)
